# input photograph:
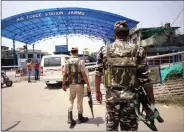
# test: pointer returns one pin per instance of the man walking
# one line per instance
(75, 74)
(36, 67)
(124, 67)
(29, 69)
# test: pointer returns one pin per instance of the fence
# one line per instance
(169, 70)
(15, 73)
(166, 59)
(159, 74)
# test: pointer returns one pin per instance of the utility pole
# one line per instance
(14, 53)
(26, 51)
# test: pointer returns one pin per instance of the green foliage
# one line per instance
(173, 75)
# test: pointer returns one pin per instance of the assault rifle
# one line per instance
(90, 102)
(151, 112)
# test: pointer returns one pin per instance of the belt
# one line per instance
(121, 88)
(75, 83)
(118, 88)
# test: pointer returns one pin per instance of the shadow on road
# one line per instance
(54, 87)
(7, 129)
(6, 87)
(96, 121)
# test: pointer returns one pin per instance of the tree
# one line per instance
(86, 51)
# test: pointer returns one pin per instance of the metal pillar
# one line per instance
(173, 57)
(111, 41)
(33, 47)
(177, 58)
(105, 42)
(67, 41)
(26, 54)
(14, 53)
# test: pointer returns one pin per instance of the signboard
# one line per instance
(50, 13)
(61, 48)
(23, 60)
(155, 74)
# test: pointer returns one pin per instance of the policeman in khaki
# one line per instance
(124, 68)
(75, 74)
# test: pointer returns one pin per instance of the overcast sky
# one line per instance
(148, 13)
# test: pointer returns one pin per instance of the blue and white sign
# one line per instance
(61, 48)
(51, 13)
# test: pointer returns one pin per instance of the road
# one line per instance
(34, 107)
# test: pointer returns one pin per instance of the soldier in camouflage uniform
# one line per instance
(124, 67)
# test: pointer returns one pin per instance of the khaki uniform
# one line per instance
(77, 89)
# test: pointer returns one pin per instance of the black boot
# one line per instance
(82, 119)
(70, 118)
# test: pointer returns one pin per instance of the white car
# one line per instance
(52, 68)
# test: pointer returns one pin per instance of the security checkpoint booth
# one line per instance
(33, 55)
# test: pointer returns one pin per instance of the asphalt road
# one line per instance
(34, 107)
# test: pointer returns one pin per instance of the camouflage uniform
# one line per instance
(123, 111)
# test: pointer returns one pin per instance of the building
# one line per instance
(6, 56)
(4, 48)
(21, 56)
(6, 53)
(34, 55)
(159, 41)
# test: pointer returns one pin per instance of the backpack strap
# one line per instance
(107, 51)
(68, 66)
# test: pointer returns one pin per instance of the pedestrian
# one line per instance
(75, 74)
(29, 69)
(36, 67)
(125, 68)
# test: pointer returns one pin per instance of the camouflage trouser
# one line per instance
(123, 113)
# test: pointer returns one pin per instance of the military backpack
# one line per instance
(74, 75)
(121, 66)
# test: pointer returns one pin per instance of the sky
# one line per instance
(148, 13)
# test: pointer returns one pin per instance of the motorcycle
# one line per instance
(5, 80)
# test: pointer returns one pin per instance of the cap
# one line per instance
(74, 48)
(120, 24)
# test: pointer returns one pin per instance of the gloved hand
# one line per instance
(152, 107)
(99, 97)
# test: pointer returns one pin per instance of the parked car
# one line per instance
(89, 61)
(52, 68)
(87, 58)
